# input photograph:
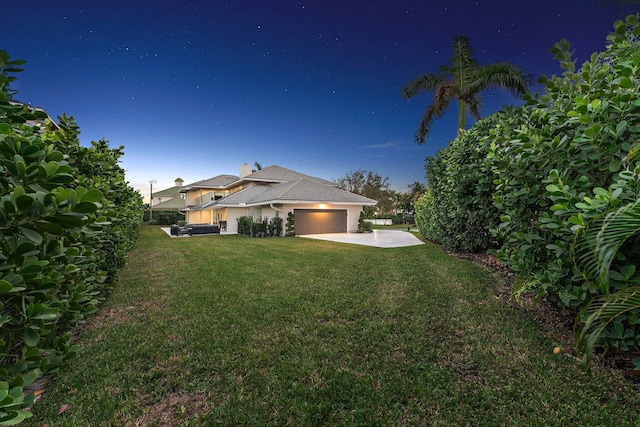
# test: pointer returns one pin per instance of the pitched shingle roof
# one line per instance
(176, 203)
(169, 192)
(220, 181)
(301, 190)
(277, 173)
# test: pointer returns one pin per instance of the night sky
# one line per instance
(193, 89)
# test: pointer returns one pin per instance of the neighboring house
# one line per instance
(317, 204)
(170, 199)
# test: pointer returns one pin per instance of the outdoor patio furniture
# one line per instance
(202, 229)
(176, 230)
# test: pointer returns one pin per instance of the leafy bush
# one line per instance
(291, 225)
(67, 220)
(459, 208)
(264, 228)
(164, 217)
(426, 213)
(561, 164)
(275, 227)
(550, 171)
(363, 226)
(569, 162)
(245, 225)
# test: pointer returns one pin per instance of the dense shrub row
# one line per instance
(457, 209)
(535, 182)
(264, 228)
(67, 219)
(163, 217)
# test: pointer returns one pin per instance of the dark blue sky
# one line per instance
(193, 89)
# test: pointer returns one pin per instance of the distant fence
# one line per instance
(387, 221)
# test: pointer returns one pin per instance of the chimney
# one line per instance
(245, 170)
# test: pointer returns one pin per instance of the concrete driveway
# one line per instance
(378, 238)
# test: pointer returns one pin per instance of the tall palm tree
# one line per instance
(464, 79)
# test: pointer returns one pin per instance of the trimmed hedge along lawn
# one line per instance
(67, 220)
(231, 330)
(554, 187)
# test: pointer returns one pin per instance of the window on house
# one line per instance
(256, 213)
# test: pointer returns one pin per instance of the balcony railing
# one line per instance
(208, 197)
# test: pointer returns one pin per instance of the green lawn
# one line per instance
(228, 330)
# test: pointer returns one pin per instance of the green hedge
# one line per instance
(264, 228)
(555, 168)
(163, 217)
(457, 210)
(67, 219)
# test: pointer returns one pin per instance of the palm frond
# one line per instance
(593, 251)
(444, 94)
(504, 75)
(425, 125)
(600, 313)
(634, 152)
(422, 83)
(462, 53)
(463, 76)
(595, 248)
(474, 103)
(464, 65)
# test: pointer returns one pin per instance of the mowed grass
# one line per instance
(228, 330)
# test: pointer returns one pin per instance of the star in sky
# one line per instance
(193, 89)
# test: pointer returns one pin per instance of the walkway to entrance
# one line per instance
(379, 238)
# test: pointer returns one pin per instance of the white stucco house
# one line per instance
(318, 205)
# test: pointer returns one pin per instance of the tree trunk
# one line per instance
(462, 116)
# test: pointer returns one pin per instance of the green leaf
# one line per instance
(30, 378)
(31, 337)
(52, 167)
(24, 202)
(621, 127)
(616, 193)
(614, 165)
(92, 196)
(61, 178)
(33, 268)
(624, 82)
(30, 234)
(85, 207)
(5, 287)
(5, 128)
(15, 417)
(599, 191)
(552, 188)
(576, 219)
(46, 316)
(585, 119)
(70, 220)
(48, 227)
(592, 131)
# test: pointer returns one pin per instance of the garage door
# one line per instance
(318, 221)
